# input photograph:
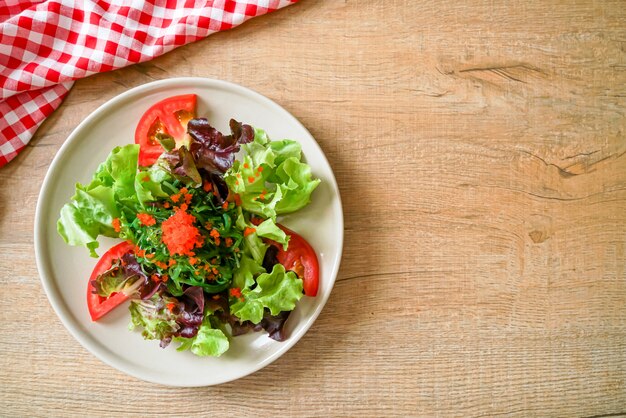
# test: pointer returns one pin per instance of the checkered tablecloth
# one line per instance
(47, 44)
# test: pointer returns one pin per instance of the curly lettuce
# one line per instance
(254, 249)
(277, 291)
(118, 186)
(272, 179)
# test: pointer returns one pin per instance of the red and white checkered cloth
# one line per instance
(47, 44)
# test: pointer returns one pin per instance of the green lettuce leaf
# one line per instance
(268, 229)
(253, 249)
(154, 317)
(89, 214)
(271, 180)
(258, 150)
(277, 291)
(116, 187)
(118, 172)
(265, 151)
(257, 195)
(208, 342)
(243, 277)
(148, 184)
(285, 149)
(252, 245)
(296, 184)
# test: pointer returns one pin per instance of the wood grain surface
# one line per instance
(480, 149)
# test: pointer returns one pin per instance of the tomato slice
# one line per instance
(169, 116)
(99, 306)
(300, 258)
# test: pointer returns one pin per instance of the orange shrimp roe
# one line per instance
(160, 264)
(182, 194)
(117, 226)
(236, 293)
(180, 235)
(146, 219)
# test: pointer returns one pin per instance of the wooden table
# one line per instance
(480, 151)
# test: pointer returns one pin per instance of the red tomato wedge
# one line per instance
(99, 306)
(300, 258)
(169, 116)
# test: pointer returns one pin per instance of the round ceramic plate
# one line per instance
(64, 270)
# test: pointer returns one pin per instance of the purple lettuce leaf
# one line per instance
(273, 324)
(214, 151)
(191, 309)
(220, 188)
(125, 275)
(181, 165)
(163, 316)
(217, 304)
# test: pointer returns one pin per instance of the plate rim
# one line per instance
(43, 261)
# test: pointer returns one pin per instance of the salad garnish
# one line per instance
(202, 257)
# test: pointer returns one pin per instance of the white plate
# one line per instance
(64, 270)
